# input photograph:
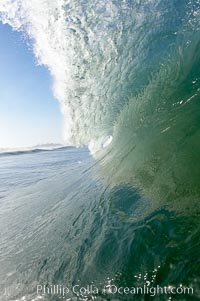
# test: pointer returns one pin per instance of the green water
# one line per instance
(128, 73)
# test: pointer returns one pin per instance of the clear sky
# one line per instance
(29, 114)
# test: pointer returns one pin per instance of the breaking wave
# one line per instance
(126, 74)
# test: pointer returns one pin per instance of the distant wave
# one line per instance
(35, 149)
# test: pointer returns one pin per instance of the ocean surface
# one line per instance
(125, 209)
(62, 224)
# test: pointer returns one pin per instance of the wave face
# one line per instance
(127, 76)
(62, 226)
(127, 70)
(108, 56)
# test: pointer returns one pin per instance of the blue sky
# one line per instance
(29, 114)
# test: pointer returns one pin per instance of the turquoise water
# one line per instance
(61, 224)
(124, 209)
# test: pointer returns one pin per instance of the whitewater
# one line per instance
(123, 198)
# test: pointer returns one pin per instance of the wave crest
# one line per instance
(99, 53)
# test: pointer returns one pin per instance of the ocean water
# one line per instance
(122, 208)
(62, 224)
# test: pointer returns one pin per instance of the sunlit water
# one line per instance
(61, 224)
(127, 77)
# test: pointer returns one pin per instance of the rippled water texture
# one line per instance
(127, 76)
